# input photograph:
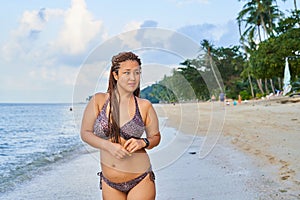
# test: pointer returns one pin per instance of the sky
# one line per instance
(52, 50)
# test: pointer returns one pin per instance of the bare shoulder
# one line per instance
(144, 104)
(99, 99)
(100, 96)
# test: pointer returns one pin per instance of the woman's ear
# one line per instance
(115, 76)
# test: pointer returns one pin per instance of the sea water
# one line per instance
(32, 137)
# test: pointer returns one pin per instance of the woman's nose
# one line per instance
(132, 76)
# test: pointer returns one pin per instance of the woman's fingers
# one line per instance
(127, 143)
(119, 151)
(133, 145)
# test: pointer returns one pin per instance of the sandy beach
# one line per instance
(256, 156)
(266, 131)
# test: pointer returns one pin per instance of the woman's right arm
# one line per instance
(87, 125)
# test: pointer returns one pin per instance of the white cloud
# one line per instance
(22, 41)
(42, 51)
(92, 77)
(217, 34)
(129, 39)
(133, 25)
(45, 33)
(79, 29)
(31, 21)
(63, 75)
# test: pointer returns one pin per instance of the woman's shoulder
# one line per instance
(144, 103)
(100, 95)
(100, 98)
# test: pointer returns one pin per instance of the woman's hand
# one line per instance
(132, 145)
(117, 150)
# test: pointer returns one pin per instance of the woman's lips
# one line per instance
(131, 84)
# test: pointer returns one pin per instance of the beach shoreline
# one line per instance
(225, 173)
(256, 156)
(266, 131)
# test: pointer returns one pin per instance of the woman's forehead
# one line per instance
(130, 64)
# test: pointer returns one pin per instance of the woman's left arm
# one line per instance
(152, 127)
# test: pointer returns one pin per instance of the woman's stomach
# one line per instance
(128, 168)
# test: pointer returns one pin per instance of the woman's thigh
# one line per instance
(144, 190)
(109, 193)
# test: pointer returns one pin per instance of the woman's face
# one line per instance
(128, 77)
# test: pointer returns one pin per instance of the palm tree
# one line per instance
(257, 17)
(209, 48)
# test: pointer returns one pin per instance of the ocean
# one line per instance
(34, 136)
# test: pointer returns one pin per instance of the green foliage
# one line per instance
(296, 85)
(269, 59)
(235, 68)
(245, 95)
(158, 93)
(257, 18)
(289, 22)
(259, 95)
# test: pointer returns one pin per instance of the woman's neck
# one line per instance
(123, 96)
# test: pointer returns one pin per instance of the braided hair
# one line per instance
(114, 113)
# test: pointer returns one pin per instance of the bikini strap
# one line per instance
(101, 177)
(137, 110)
(105, 106)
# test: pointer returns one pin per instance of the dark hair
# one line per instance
(113, 116)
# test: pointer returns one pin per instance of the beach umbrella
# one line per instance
(287, 78)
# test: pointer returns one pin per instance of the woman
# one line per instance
(126, 168)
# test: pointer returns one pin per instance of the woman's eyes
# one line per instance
(136, 72)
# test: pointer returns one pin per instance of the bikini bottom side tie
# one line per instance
(126, 186)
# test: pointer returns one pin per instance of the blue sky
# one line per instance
(44, 44)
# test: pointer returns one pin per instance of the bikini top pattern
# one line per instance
(134, 128)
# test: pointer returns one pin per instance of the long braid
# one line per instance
(114, 107)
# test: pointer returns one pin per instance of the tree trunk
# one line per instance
(259, 36)
(213, 70)
(251, 86)
(266, 34)
(279, 83)
(266, 86)
(272, 85)
(259, 83)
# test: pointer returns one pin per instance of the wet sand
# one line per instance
(267, 132)
(256, 156)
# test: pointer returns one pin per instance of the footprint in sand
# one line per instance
(271, 159)
(285, 177)
(284, 166)
(283, 162)
(287, 174)
(234, 140)
(257, 152)
(246, 147)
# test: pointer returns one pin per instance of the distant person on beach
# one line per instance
(222, 97)
(239, 99)
(114, 122)
(213, 98)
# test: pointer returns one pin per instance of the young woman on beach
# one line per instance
(114, 122)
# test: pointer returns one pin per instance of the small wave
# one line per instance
(4, 145)
(15, 175)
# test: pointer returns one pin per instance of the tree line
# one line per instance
(252, 69)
